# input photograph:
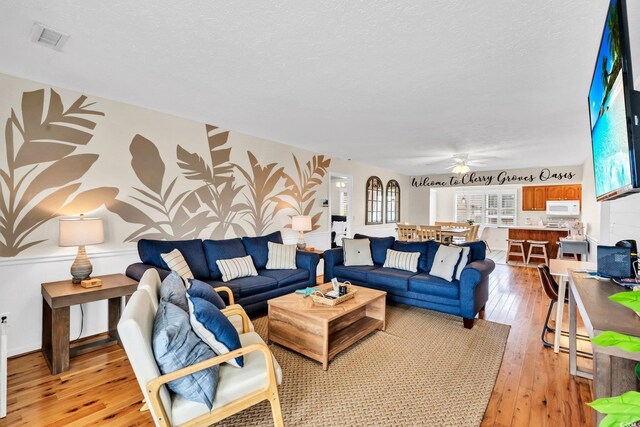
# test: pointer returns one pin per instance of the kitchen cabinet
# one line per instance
(534, 198)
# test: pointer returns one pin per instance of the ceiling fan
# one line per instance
(460, 162)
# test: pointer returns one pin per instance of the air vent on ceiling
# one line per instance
(47, 36)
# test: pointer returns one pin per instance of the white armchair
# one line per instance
(237, 388)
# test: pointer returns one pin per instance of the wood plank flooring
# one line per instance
(533, 387)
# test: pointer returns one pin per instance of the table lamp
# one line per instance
(80, 232)
(301, 224)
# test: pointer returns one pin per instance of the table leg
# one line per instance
(55, 337)
(115, 309)
(562, 286)
(573, 325)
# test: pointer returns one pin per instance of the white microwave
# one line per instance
(563, 207)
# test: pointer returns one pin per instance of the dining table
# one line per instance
(560, 269)
(454, 231)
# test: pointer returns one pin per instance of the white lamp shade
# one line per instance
(301, 223)
(81, 231)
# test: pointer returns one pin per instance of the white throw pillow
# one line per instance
(176, 262)
(445, 262)
(357, 252)
(464, 260)
(402, 260)
(281, 257)
(234, 268)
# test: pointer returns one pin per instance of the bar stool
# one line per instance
(540, 244)
(516, 244)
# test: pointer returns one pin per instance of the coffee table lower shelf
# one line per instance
(353, 333)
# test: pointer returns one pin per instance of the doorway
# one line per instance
(340, 207)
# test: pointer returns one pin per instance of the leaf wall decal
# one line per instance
(90, 200)
(147, 163)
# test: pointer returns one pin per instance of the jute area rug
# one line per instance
(424, 370)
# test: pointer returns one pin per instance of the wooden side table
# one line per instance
(57, 297)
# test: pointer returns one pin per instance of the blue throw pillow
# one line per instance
(172, 289)
(200, 289)
(258, 247)
(213, 327)
(176, 346)
(379, 246)
(221, 249)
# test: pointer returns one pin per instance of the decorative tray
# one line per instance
(319, 297)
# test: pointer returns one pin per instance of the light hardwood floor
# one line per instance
(533, 387)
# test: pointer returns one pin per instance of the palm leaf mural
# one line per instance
(262, 203)
(303, 187)
(42, 175)
(218, 191)
(156, 208)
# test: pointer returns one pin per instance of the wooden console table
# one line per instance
(57, 297)
(614, 369)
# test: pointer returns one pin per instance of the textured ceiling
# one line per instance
(396, 84)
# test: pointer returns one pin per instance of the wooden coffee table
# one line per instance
(321, 331)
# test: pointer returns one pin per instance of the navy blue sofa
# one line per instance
(250, 292)
(466, 297)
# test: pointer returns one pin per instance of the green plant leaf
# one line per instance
(629, 299)
(626, 404)
(615, 339)
(638, 370)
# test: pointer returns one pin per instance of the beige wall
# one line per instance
(153, 175)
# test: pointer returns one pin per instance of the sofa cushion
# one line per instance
(478, 250)
(357, 252)
(236, 267)
(258, 248)
(254, 285)
(281, 257)
(357, 273)
(176, 346)
(421, 247)
(213, 327)
(286, 277)
(200, 289)
(173, 290)
(379, 246)
(465, 258)
(390, 278)
(215, 250)
(150, 253)
(424, 283)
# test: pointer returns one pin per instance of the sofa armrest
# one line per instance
(308, 261)
(136, 270)
(474, 287)
(332, 257)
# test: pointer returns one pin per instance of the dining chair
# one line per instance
(550, 288)
(443, 223)
(482, 236)
(430, 232)
(407, 232)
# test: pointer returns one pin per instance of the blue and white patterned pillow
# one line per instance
(200, 289)
(213, 327)
(176, 346)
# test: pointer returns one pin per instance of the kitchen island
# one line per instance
(540, 233)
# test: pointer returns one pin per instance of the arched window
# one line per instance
(375, 201)
(393, 201)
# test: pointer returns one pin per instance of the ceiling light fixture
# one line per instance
(461, 168)
(341, 184)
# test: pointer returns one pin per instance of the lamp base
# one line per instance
(301, 243)
(81, 268)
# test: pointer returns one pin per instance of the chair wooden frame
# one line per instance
(429, 232)
(269, 393)
(228, 291)
(407, 232)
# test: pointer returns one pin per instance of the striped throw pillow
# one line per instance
(281, 257)
(176, 262)
(402, 260)
(234, 268)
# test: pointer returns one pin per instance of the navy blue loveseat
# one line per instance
(250, 292)
(466, 297)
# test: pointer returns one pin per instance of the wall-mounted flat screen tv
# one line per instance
(611, 106)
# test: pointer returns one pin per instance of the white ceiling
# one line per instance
(397, 84)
